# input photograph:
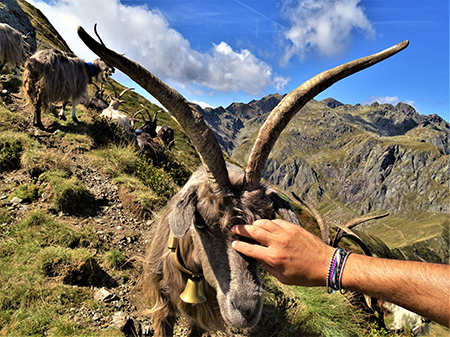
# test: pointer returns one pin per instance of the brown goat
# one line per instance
(197, 222)
(52, 76)
(13, 48)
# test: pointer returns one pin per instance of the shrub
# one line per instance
(11, 121)
(69, 194)
(39, 161)
(156, 179)
(115, 258)
(105, 130)
(12, 144)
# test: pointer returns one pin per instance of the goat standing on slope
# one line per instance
(13, 48)
(52, 76)
(193, 239)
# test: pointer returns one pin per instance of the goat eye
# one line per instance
(200, 225)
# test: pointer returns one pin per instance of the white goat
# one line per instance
(403, 319)
(113, 112)
(13, 48)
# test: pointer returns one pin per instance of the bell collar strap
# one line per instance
(173, 245)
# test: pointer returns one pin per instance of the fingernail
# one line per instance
(233, 244)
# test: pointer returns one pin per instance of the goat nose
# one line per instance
(247, 312)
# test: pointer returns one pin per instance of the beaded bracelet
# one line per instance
(335, 269)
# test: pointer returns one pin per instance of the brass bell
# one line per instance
(193, 293)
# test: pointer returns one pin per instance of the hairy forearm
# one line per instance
(420, 287)
(296, 256)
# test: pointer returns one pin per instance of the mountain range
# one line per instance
(352, 160)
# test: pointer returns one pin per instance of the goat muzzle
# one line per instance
(193, 292)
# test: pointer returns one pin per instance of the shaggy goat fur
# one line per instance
(202, 250)
(404, 319)
(52, 76)
(12, 46)
(121, 118)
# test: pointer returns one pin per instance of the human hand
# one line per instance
(288, 252)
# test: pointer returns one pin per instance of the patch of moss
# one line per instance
(69, 194)
(28, 193)
(12, 144)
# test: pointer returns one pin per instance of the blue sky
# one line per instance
(219, 52)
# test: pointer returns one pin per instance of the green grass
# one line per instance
(10, 121)
(69, 194)
(31, 302)
(309, 312)
(115, 258)
(12, 145)
(28, 193)
(39, 160)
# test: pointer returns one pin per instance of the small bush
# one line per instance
(156, 179)
(69, 195)
(28, 193)
(11, 121)
(39, 161)
(115, 258)
(105, 131)
(12, 144)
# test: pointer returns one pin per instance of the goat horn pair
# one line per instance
(144, 108)
(203, 138)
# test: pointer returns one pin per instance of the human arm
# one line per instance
(295, 256)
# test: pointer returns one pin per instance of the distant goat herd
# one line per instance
(52, 76)
(216, 197)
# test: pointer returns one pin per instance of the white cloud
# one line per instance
(323, 26)
(386, 99)
(203, 105)
(394, 100)
(146, 37)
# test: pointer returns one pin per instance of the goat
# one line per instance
(192, 240)
(53, 76)
(165, 133)
(112, 111)
(418, 325)
(13, 48)
(149, 127)
(97, 102)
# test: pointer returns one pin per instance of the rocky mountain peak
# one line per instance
(331, 102)
(12, 14)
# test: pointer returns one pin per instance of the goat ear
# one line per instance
(182, 214)
(282, 206)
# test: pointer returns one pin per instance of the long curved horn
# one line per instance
(144, 108)
(323, 224)
(353, 223)
(137, 113)
(294, 101)
(189, 118)
(99, 38)
(124, 91)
